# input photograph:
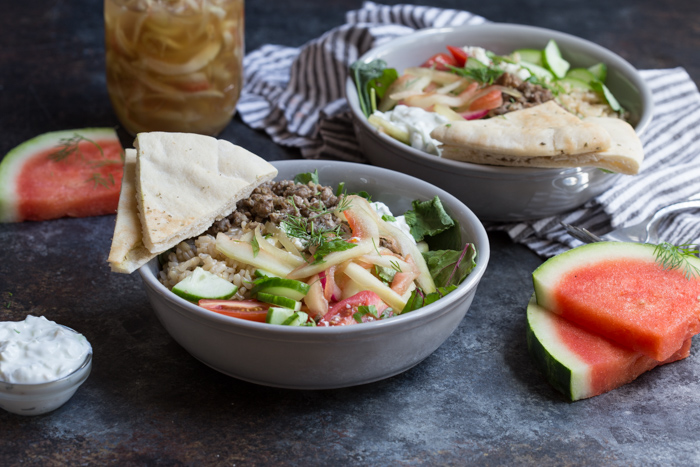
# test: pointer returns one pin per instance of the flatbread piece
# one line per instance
(544, 136)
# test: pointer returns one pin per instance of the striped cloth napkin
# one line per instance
(296, 95)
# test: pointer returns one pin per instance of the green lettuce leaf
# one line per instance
(429, 221)
(372, 80)
(451, 267)
(305, 178)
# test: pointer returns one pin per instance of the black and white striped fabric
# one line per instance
(296, 95)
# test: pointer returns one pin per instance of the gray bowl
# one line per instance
(321, 358)
(501, 193)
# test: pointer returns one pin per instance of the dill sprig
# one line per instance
(671, 256)
(69, 146)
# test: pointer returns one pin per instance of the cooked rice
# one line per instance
(202, 252)
(585, 103)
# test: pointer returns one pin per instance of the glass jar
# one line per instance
(174, 65)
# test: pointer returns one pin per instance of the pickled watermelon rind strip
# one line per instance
(13, 162)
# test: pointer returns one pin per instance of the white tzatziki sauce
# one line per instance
(418, 123)
(38, 350)
(400, 222)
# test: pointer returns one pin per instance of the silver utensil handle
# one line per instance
(653, 225)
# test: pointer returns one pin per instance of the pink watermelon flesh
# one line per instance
(582, 364)
(85, 183)
(635, 303)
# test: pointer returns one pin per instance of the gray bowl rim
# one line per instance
(409, 152)
(273, 331)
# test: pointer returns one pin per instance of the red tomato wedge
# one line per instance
(441, 62)
(251, 310)
(341, 314)
(458, 54)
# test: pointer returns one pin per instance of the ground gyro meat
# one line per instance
(275, 201)
(532, 94)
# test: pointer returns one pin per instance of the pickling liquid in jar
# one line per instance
(174, 65)
(38, 350)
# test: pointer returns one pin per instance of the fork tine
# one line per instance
(580, 233)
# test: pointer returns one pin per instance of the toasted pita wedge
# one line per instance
(544, 136)
(184, 182)
(128, 252)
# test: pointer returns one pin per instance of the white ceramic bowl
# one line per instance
(41, 398)
(334, 357)
(500, 193)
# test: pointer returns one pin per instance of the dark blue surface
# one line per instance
(476, 400)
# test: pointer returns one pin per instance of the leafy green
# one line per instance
(336, 244)
(385, 274)
(371, 79)
(305, 178)
(478, 72)
(363, 310)
(428, 220)
(450, 267)
(419, 300)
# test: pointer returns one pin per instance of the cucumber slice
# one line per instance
(284, 302)
(538, 71)
(582, 74)
(600, 71)
(297, 319)
(576, 83)
(554, 61)
(530, 55)
(290, 288)
(276, 315)
(603, 90)
(202, 284)
(286, 317)
(261, 273)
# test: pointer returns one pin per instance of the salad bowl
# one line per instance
(497, 193)
(328, 357)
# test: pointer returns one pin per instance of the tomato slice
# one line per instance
(441, 62)
(251, 310)
(458, 54)
(341, 314)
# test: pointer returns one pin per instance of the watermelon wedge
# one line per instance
(620, 291)
(74, 173)
(581, 364)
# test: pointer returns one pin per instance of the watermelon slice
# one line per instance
(619, 291)
(73, 173)
(581, 364)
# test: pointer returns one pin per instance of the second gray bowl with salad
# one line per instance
(302, 357)
(501, 193)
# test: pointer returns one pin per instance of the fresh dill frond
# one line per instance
(99, 180)
(477, 71)
(671, 256)
(395, 266)
(69, 146)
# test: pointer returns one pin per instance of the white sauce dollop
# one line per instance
(400, 222)
(479, 53)
(418, 123)
(38, 350)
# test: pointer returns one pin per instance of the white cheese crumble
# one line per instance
(400, 222)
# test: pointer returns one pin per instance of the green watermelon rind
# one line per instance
(11, 165)
(561, 367)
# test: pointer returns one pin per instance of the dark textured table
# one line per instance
(476, 400)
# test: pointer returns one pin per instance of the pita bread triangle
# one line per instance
(128, 252)
(175, 186)
(545, 136)
(184, 182)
